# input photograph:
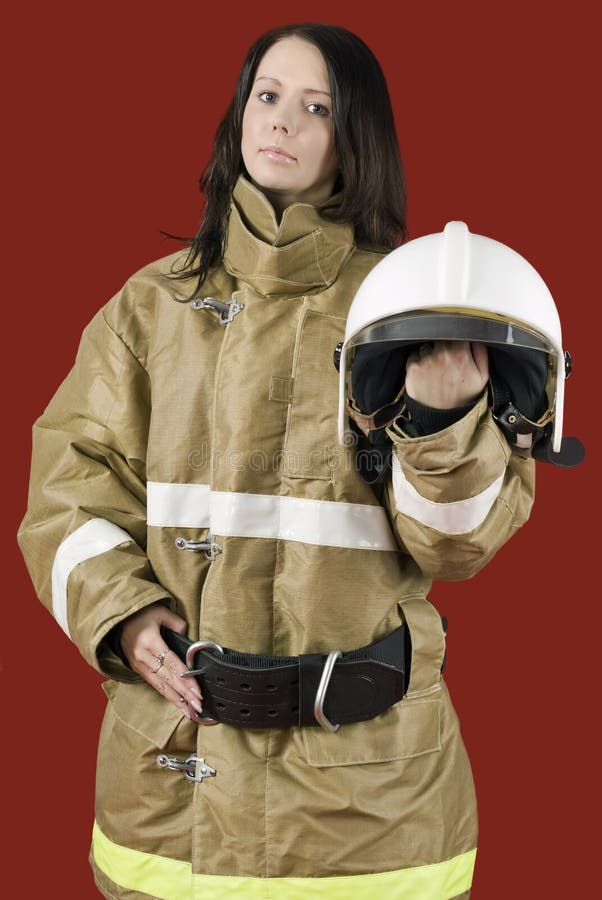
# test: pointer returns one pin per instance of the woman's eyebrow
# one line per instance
(277, 81)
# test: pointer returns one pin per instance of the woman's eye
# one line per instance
(267, 96)
(317, 109)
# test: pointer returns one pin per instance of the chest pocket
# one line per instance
(311, 447)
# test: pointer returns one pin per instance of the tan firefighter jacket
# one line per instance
(172, 424)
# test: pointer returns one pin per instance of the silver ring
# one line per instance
(182, 699)
(160, 659)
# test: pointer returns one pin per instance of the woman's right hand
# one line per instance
(150, 657)
(447, 374)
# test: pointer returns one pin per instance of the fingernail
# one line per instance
(196, 706)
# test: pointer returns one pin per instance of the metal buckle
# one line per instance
(194, 648)
(227, 311)
(209, 546)
(321, 718)
(187, 767)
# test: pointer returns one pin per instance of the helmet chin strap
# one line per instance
(535, 438)
(525, 436)
(380, 418)
(520, 431)
(528, 436)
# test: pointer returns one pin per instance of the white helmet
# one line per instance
(455, 285)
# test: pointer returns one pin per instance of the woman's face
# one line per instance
(287, 129)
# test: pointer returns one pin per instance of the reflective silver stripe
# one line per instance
(91, 539)
(322, 522)
(229, 514)
(177, 505)
(457, 517)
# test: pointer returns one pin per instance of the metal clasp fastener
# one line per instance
(194, 768)
(190, 654)
(210, 547)
(227, 310)
(321, 718)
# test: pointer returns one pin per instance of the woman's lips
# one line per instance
(277, 154)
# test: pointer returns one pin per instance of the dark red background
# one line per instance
(109, 119)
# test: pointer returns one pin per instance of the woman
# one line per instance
(187, 476)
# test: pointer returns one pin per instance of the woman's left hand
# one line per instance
(447, 374)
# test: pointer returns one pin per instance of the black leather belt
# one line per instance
(256, 691)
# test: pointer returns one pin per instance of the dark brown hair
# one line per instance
(371, 179)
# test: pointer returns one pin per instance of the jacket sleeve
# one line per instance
(457, 495)
(84, 533)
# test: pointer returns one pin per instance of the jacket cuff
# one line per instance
(473, 443)
(110, 658)
(418, 419)
(113, 642)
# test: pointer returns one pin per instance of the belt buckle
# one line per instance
(194, 648)
(320, 698)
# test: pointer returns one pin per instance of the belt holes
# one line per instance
(272, 712)
(245, 712)
(293, 683)
(295, 709)
(220, 681)
(220, 705)
(271, 687)
(245, 686)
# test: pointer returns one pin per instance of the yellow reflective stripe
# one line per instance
(171, 879)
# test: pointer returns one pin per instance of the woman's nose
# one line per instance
(284, 122)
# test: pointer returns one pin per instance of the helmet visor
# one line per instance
(433, 325)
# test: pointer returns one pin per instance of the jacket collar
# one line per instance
(302, 253)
